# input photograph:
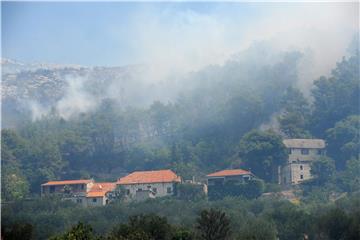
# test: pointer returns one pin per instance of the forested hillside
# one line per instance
(225, 112)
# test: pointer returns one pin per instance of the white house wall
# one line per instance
(100, 201)
(161, 188)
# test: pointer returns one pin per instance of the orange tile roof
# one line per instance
(100, 189)
(159, 176)
(96, 194)
(67, 182)
(232, 172)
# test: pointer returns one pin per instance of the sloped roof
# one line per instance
(231, 172)
(158, 176)
(67, 182)
(100, 189)
(304, 143)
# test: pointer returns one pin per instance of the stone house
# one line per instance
(97, 196)
(84, 192)
(232, 175)
(232, 182)
(301, 153)
(141, 185)
(67, 187)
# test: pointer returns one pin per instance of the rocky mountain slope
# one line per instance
(32, 90)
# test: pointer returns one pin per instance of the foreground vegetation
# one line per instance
(170, 218)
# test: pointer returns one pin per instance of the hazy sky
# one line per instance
(194, 33)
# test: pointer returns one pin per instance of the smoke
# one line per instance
(175, 41)
(77, 99)
(37, 110)
(172, 40)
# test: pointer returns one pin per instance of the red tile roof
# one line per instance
(68, 182)
(100, 189)
(232, 172)
(159, 176)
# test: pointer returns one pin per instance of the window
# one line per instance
(52, 189)
(289, 151)
(82, 186)
(94, 199)
(301, 176)
(139, 189)
(319, 152)
(301, 167)
(127, 191)
(149, 187)
(79, 200)
(305, 151)
(168, 190)
(155, 190)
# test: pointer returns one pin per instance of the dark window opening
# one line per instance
(94, 199)
(305, 151)
(301, 176)
(301, 167)
(168, 190)
(52, 189)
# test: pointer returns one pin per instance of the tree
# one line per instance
(17, 231)
(350, 178)
(182, 234)
(144, 227)
(333, 225)
(213, 225)
(191, 192)
(291, 222)
(249, 189)
(296, 112)
(13, 184)
(257, 229)
(80, 231)
(336, 97)
(344, 140)
(262, 153)
(323, 169)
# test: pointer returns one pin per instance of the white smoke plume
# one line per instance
(76, 99)
(173, 41)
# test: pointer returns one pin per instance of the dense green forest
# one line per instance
(217, 124)
(169, 218)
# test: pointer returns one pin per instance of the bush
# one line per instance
(250, 189)
(191, 192)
